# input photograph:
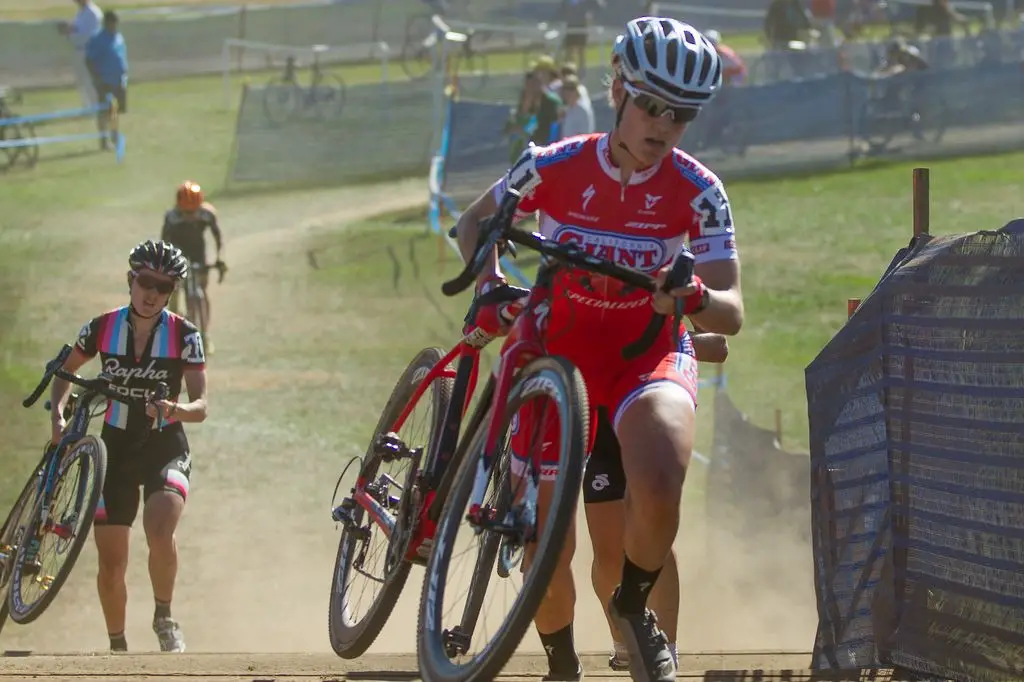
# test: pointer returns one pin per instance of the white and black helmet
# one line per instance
(161, 256)
(669, 59)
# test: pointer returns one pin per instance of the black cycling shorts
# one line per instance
(604, 480)
(138, 468)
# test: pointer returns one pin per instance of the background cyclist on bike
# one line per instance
(898, 93)
(185, 226)
(900, 57)
(631, 196)
(140, 345)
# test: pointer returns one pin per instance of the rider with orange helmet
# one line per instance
(185, 226)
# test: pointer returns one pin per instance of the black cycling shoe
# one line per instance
(650, 658)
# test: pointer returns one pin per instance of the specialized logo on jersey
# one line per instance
(636, 252)
(587, 195)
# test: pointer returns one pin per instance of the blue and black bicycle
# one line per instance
(49, 524)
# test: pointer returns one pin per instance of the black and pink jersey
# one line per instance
(174, 346)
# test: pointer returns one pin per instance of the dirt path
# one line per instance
(725, 667)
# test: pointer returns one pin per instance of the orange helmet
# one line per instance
(190, 196)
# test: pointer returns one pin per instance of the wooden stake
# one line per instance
(778, 426)
(851, 306)
(922, 200)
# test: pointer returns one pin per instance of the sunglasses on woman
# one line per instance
(658, 108)
(149, 283)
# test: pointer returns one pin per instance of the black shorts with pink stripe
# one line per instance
(138, 467)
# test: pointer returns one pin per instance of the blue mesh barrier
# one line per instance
(820, 122)
(916, 410)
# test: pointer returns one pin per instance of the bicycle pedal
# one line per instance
(45, 581)
(423, 551)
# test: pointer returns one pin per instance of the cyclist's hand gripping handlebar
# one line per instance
(679, 276)
(491, 232)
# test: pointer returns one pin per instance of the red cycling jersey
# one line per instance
(577, 190)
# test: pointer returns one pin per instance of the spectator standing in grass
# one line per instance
(107, 59)
(578, 116)
(569, 69)
(578, 16)
(87, 23)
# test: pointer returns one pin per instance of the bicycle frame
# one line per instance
(522, 345)
(45, 490)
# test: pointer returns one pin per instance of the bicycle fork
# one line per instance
(64, 530)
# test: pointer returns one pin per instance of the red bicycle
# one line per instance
(418, 513)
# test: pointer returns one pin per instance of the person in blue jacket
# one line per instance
(107, 58)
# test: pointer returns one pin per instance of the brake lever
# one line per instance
(679, 276)
(504, 246)
(161, 392)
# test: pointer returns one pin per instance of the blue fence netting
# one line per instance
(818, 122)
(916, 410)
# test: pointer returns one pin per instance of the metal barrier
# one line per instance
(19, 141)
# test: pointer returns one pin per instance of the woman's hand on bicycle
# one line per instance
(498, 305)
(692, 294)
(58, 425)
(161, 408)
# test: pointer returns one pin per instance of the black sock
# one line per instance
(631, 597)
(162, 610)
(561, 650)
(118, 642)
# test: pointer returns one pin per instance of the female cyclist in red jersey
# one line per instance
(633, 197)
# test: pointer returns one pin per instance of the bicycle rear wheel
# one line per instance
(351, 636)
(503, 526)
(329, 97)
(11, 534)
(68, 527)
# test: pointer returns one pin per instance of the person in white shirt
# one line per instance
(87, 23)
(578, 118)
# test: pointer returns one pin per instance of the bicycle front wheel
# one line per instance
(506, 520)
(364, 544)
(11, 535)
(61, 533)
